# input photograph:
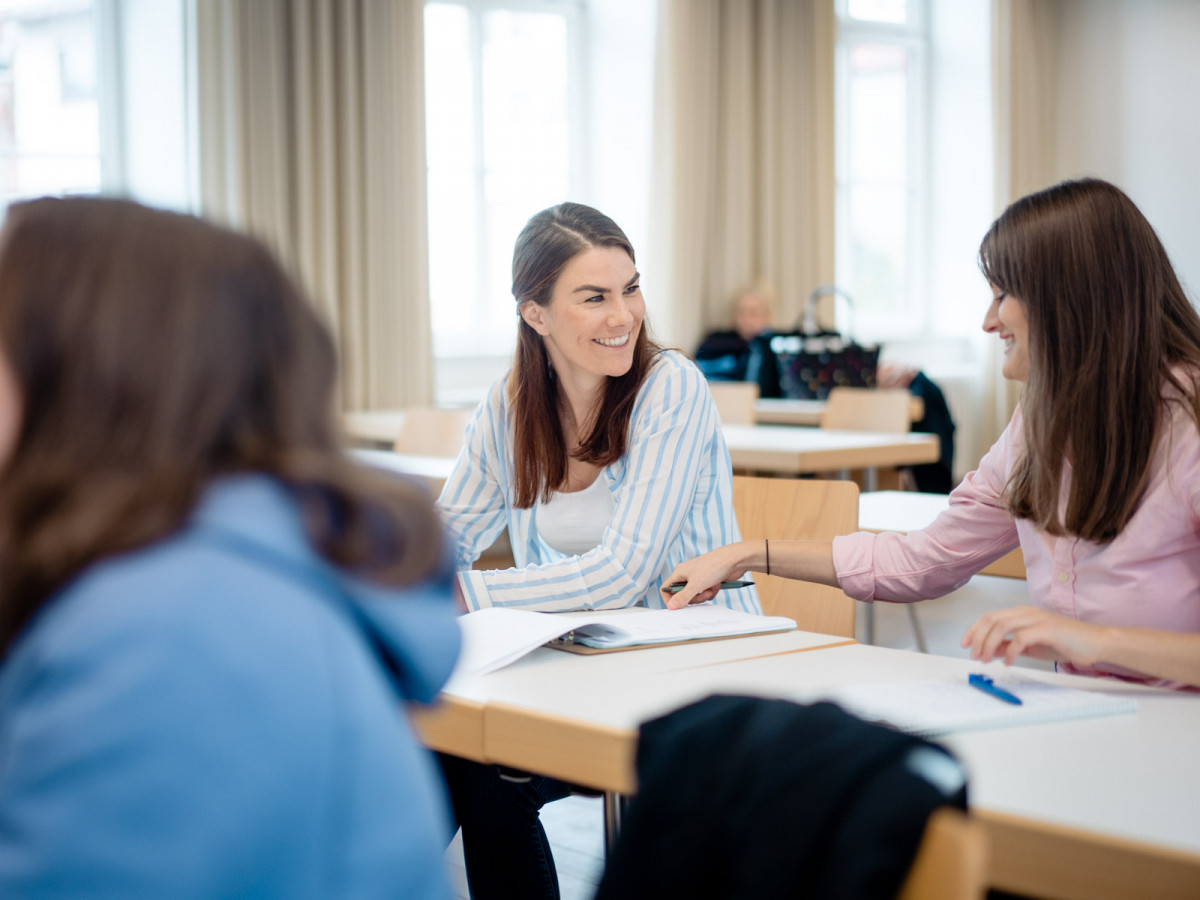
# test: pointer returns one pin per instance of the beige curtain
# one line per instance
(1023, 108)
(312, 136)
(743, 169)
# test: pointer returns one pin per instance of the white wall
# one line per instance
(1129, 111)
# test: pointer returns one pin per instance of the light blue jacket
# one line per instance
(672, 492)
(221, 714)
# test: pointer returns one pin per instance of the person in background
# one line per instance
(211, 617)
(936, 477)
(1096, 478)
(602, 453)
(745, 353)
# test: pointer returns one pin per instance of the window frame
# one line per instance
(912, 316)
(480, 341)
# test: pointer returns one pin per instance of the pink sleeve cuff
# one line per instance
(853, 556)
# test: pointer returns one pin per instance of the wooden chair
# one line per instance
(735, 401)
(952, 861)
(432, 431)
(867, 409)
(799, 509)
(437, 431)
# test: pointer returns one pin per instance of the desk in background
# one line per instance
(776, 411)
(779, 449)
(1097, 808)
(379, 427)
(786, 450)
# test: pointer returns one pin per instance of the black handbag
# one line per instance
(812, 361)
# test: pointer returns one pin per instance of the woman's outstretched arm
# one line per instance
(802, 560)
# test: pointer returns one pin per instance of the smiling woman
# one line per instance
(602, 453)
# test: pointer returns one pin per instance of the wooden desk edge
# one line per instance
(1046, 860)
(594, 756)
(452, 725)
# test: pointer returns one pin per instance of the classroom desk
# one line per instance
(433, 470)
(782, 411)
(788, 450)
(1096, 808)
(774, 448)
(379, 427)
(375, 428)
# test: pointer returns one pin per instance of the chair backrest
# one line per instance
(735, 401)
(799, 509)
(432, 431)
(952, 862)
(867, 409)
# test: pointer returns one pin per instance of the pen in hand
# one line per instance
(724, 586)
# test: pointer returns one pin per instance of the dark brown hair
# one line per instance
(547, 243)
(1108, 320)
(153, 352)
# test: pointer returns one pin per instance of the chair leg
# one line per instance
(614, 811)
(916, 627)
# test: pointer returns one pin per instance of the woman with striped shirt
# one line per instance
(602, 454)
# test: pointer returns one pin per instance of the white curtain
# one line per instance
(743, 168)
(312, 136)
(1023, 108)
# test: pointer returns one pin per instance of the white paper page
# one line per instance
(494, 637)
(950, 704)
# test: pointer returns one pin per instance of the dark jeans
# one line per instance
(504, 845)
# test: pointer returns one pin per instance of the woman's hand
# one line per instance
(1029, 631)
(701, 577)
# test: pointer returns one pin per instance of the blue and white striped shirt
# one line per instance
(673, 493)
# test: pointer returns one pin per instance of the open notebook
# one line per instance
(950, 704)
(495, 637)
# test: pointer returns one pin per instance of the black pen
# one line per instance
(725, 586)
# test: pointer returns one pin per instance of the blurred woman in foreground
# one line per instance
(210, 616)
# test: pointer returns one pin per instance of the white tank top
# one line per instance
(574, 523)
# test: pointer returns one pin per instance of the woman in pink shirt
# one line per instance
(1097, 476)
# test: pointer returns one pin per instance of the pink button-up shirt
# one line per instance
(1148, 576)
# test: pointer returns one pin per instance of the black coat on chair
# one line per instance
(751, 798)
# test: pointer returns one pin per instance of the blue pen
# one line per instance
(986, 685)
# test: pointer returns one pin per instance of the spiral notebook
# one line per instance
(946, 705)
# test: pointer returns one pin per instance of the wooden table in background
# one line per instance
(788, 450)
(780, 411)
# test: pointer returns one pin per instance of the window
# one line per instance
(504, 125)
(882, 66)
(49, 108)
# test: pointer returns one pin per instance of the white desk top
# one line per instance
(433, 470)
(793, 450)
(899, 510)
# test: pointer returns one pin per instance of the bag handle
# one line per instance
(809, 326)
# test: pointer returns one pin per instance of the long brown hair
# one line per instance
(547, 243)
(154, 352)
(1108, 320)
